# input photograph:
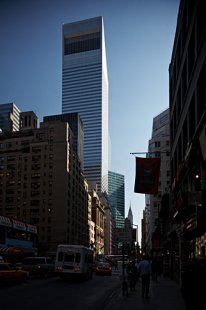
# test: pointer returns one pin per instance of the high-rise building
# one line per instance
(187, 80)
(116, 198)
(9, 117)
(130, 215)
(76, 125)
(159, 146)
(85, 90)
(28, 120)
(41, 183)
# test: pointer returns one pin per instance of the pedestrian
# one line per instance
(132, 276)
(145, 272)
(137, 268)
(125, 291)
(116, 264)
(193, 285)
(155, 269)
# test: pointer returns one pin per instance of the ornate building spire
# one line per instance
(130, 215)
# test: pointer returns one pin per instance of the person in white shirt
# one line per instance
(145, 272)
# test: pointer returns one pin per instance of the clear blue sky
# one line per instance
(139, 39)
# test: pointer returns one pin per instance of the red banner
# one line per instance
(147, 175)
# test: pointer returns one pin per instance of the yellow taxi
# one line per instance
(9, 274)
(103, 268)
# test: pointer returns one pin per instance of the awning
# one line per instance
(5, 221)
(11, 251)
(4, 251)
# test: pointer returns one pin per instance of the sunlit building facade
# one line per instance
(85, 90)
(158, 146)
(9, 117)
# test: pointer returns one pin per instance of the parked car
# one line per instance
(38, 266)
(10, 275)
(112, 262)
(103, 268)
(19, 266)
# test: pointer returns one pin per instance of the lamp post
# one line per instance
(123, 260)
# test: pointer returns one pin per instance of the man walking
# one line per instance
(145, 271)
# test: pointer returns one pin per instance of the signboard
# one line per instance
(19, 225)
(31, 228)
(124, 235)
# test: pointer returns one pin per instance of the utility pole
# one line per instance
(123, 260)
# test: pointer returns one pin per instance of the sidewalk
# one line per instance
(164, 295)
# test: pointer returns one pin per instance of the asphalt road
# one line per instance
(55, 294)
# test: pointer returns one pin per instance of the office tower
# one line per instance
(85, 90)
(76, 125)
(116, 197)
(9, 117)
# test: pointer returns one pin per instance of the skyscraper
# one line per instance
(116, 197)
(85, 90)
(9, 117)
(130, 215)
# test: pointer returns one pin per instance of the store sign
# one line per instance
(18, 225)
(123, 235)
(31, 228)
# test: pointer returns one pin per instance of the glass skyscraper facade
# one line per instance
(85, 90)
(116, 197)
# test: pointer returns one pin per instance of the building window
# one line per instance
(157, 144)
(82, 43)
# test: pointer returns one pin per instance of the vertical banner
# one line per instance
(147, 175)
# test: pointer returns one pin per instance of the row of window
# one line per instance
(82, 43)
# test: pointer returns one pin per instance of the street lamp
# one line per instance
(123, 264)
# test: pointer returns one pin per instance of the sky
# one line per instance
(139, 37)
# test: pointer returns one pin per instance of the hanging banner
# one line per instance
(147, 175)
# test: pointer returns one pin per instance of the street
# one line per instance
(53, 293)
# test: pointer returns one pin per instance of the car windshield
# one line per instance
(72, 257)
(103, 263)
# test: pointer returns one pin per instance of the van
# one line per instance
(38, 266)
